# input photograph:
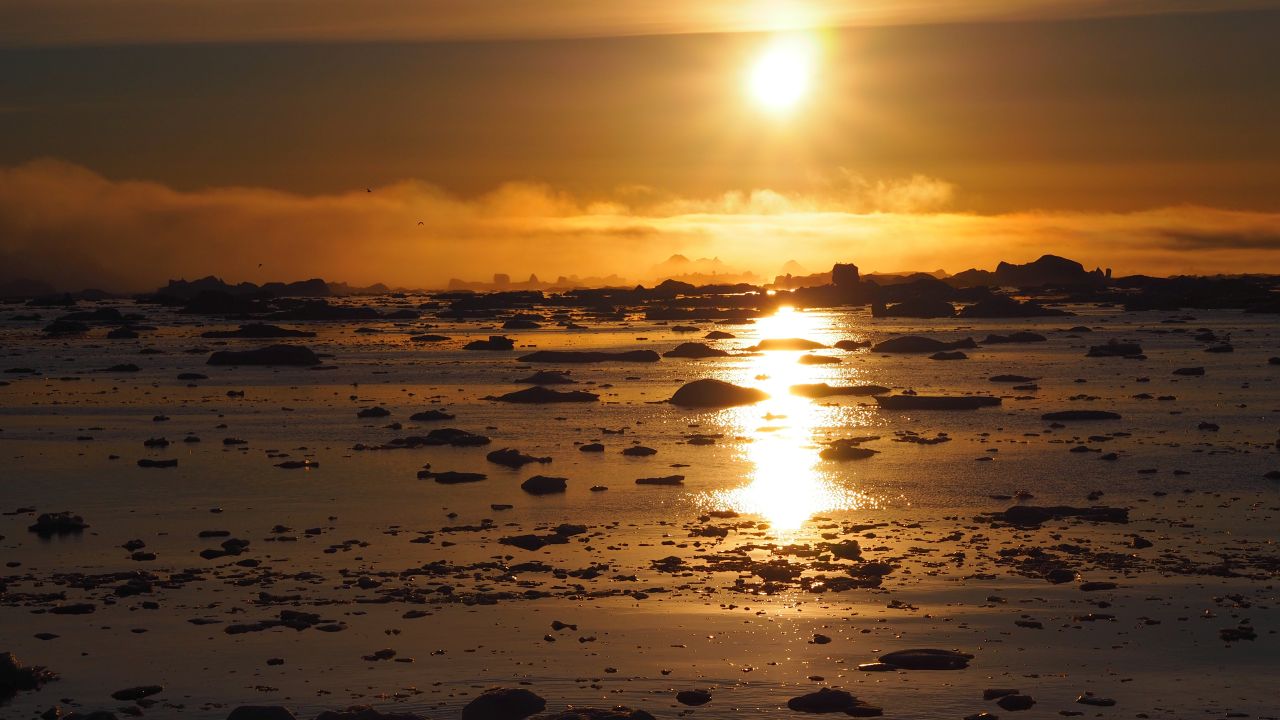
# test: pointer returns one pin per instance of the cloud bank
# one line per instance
(65, 224)
(107, 22)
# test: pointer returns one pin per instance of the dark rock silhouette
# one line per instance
(1047, 270)
(590, 713)
(693, 314)
(52, 300)
(261, 712)
(846, 449)
(715, 393)
(548, 377)
(1015, 337)
(514, 459)
(1268, 308)
(16, 677)
(920, 287)
(1068, 415)
(1115, 348)
(1016, 702)
(1142, 292)
(936, 402)
(665, 480)
(314, 287)
(927, 659)
(463, 305)
(821, 390)
(845, 276)
(271, 355)
(495, 343)
(825, 700)
(136, 693)
(814, 359)
(538, 394)
(364, 712)
(298, 465)
(833, 700)
(693, 698)
(100, 316)
(670, 288)
(149, 463)
(846, 287)
(24, 288)
(319, 310)
(920, 344)
(544, 485)
(786, 344)
(572, 356)
(58, 523)
(450, 477)
(431, 416)
(1034, 515)
(258, 331)
(520, 324)
(694, 350)
(214, 302)
(66, 327)
(440, 436)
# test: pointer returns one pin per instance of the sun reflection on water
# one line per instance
(788, 484)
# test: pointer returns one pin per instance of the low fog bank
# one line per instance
(66, 226)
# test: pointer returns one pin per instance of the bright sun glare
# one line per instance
(788, 484)
(780, 76)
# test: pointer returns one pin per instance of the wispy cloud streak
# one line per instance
(106, 22)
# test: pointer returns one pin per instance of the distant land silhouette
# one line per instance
(1044, 282)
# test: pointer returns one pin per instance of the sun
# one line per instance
(781, 75)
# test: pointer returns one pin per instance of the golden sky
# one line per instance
(102, 22)
(1137, 134)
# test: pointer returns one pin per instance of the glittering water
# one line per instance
(60, 427)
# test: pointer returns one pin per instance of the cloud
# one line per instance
(68, 225)
(1249, 238)
(95, 22)
(847, 192)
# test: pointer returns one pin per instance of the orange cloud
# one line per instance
(51, 22)
(66, 224)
